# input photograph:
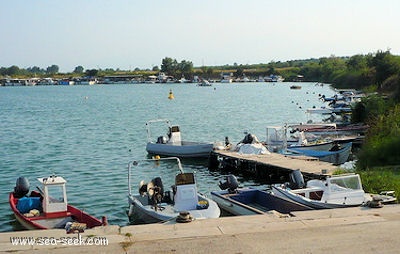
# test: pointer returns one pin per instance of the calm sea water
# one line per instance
(88, 134)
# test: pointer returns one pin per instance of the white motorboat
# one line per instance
(204, 83)
(172, 145)
(182, 202)
(337, 191)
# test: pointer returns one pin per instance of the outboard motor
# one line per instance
(161, 140)
(157, 193)
(231, 184)
(335, 147)
(21, 187)
(296, 179)
(248, 139)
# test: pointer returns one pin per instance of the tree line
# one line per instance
(378, 70)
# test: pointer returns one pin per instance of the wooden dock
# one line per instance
(273, 167)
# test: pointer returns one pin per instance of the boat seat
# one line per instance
(186, 197)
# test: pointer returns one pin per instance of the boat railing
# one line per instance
(155, 121)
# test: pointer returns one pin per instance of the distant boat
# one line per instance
(172, 145)
(331, 128)
(48, 208)
(66, 82)
(295, 87)
(20, 82)
(46, 82)
(204, 83)
(226, 78)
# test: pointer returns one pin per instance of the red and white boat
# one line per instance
(48, 208)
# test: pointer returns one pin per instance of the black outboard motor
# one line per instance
(296, 179)
(158, 190)
(231, 184)
(248, 139)
(21, 187)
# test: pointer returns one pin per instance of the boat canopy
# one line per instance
(54, 194)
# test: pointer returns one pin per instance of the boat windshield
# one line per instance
(184, 178)
(345, 183)
(56, 193)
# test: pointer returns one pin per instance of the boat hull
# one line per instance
(248, 201)
(184, 149)
(319, 147)
(141, 212)
(334, 157)
(52, 220)
(307, 202)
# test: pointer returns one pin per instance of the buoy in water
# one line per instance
(171, 95)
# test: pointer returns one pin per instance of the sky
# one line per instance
(129, 34)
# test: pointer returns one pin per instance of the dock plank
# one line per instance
(305, 164)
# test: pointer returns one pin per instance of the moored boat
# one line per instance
(204, 83)
(154, 204)
(337, 155)
(336, 191)
(172, 145)
(250, 201)
(48, 208)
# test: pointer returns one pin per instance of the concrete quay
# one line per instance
(346, 230)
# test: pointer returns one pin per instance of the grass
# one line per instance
(380, 179)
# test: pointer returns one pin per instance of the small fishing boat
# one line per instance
(182, 203)
(204, 83)
(337, 155)
(48, 208)
(336, 191)
(251, 201)
(172, 145)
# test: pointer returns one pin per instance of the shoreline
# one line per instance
(346, 230)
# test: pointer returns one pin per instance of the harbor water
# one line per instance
(88, 134)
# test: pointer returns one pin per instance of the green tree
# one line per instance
(13, 70)
(356, 63)
(53, 69)
(210, 72)
(385, 65)
(239, 71)
(185, 68)
(92, 72)
(169, 66)
(35, 70)
(78, 69)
